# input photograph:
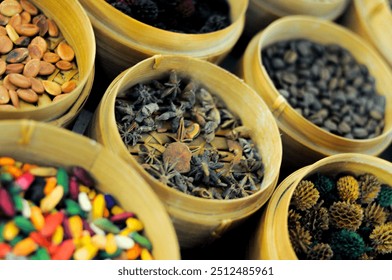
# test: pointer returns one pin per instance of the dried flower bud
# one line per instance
(348, 188)
(305, 195)
(374, 215)
(300, 239)
(320, 251)
(294, 218)
(385, 196)
(347, 244)
(369, 187)
(346, 215)
(381, 238)
(323, 183)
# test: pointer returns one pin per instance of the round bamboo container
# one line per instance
(260, 13)
(371, 20)
(198, 221)
(41, 143)
(76, 28)
(271, 240)
(123, 41)
(303, 141)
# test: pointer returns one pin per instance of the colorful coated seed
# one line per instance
(47, 213)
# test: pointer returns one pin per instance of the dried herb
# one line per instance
(188, 139)
(350, 219)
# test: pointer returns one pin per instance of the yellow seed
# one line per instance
(52, 88)
(76, 226)
(98, 206)
(10, 231)
(111, 246)
(25, 247)
(84, 189)
(37, 218)
(12, 34)
(44, 171)
(92, 193)
(44, 100)
(99, 241)
(49, 202)
(134, 224)
(126, 231)
(85, 239)
(58, 235)
(117, 210)
(86, 252)
(146, 255)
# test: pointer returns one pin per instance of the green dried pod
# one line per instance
(369, 187)
(305, 195)
(294, 218)
(321, 251)
(347, 244)
(348, 188)
(381, 238)
(323, 183)
(374, 215)
(300, 239)
(346, 215)
(385, 196)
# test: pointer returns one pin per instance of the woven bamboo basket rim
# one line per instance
(143, 37)
(84, 68)
(275, 9)
(24, 136)
(308, 129)
(278, 205)
(196, 203)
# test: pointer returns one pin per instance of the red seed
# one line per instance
(4, 250)
(83, 176)
(52, 221)
(40, 239)
(67, 229)
(121, 217)
(64, 251)
(25, 181)
(74, 188)
(6, 203)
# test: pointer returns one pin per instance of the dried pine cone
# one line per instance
(374, 215)
(320, 251)
(294, 218)
(316, 220)
(381, 238)
(347, 244)
(300, 239)
(346, 215)
(369, 187)
(305, 195)
(385, 196)
(348, 188)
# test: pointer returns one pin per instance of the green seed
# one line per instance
(63, 179)
(14, 241)
(141, 240)
(72, 208)
(18, 202)
(40, 254)
(24, 224)
(106, 225)
(1, 232)
(105, 255)
(6, 178)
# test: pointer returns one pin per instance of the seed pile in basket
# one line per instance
(186, 138)
(47, 213)
(327, 86)
(37, 65)
(181, 16)
(347, 217)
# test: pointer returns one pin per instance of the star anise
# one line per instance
(173, 86)
(163, 171)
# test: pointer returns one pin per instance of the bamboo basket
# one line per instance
(76, 28)
(198, 221)
(260, 13)
(123, 41)
(303, 141)
(271, 240)
(45, 144)
(371, 20)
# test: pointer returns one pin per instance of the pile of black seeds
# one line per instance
(327, 86)
(181, 16)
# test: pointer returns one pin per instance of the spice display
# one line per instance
(37, 65)
(185, 137)
(49, 213)
(327, 86)
(349, 219)
(182, 16)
